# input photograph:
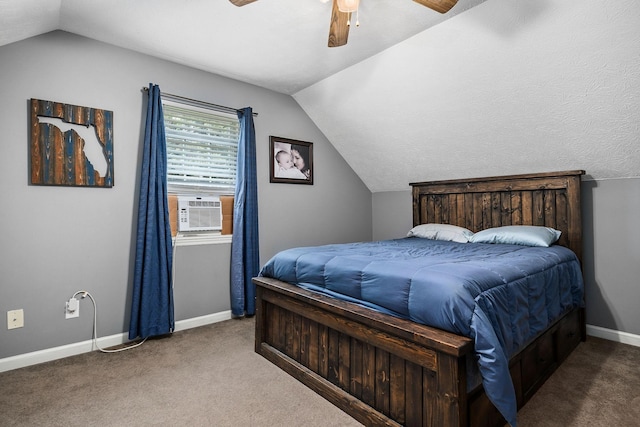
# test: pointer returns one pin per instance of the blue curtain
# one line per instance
(245, 256)
(152, 299)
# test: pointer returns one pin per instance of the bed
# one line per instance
(387, 370)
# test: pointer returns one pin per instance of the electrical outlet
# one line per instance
(15, 319)
(72, 309)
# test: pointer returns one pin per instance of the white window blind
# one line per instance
(202, 147)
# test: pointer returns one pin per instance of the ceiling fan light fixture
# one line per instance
(348, 6)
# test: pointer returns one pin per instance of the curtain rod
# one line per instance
(196, 103)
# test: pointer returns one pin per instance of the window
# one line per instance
(202, 147)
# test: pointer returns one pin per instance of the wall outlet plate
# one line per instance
(15, 319)
(71, 309)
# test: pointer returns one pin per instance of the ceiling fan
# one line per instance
(341, 21)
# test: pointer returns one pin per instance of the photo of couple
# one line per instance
(291, 161)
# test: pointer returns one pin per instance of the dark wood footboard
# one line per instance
(379, 369)
(382, 370)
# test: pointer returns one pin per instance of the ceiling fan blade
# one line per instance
(441, 6)
(241, 2)
(338, 29)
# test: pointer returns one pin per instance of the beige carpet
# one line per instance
(597, 386)
(210, 376)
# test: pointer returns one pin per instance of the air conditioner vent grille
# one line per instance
(199, 213)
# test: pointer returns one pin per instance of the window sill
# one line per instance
(193, 239)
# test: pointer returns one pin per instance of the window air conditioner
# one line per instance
(199, 213)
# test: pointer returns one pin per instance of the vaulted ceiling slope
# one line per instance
(277, 44)
(510, 86)
(497, 87)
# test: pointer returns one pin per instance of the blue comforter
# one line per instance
(499, 295)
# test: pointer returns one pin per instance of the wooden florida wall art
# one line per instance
(71, 145)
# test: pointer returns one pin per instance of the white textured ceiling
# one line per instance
(508, 87)
(277, 44)
(496, 87)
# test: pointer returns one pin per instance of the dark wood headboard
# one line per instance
(550, 199)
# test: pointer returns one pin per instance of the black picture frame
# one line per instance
(290, 161)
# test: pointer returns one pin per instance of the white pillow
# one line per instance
(527, 235)
(447, 232)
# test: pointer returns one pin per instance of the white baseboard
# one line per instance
(611, 335)
(46, 355)
(194, 322)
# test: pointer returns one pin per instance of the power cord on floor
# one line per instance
(84, 294)
(72, 305)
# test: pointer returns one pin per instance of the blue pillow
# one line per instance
(527, 235)
(446, 232)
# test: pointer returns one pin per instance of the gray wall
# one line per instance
(392, 215)
(611, 258)
(612, 253)
(57, 240)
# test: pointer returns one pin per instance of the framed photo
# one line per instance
(290, 161)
